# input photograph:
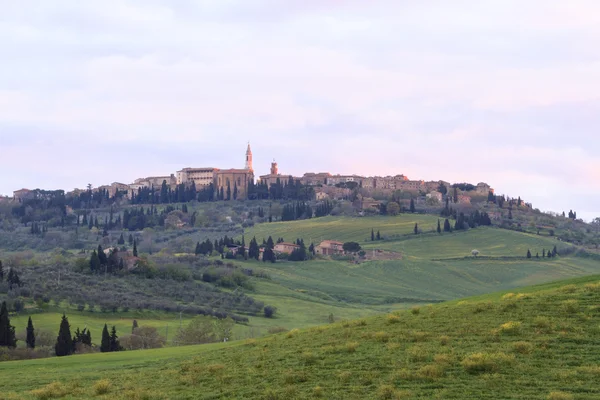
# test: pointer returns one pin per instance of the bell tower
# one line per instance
(248, 158)
(274, 169)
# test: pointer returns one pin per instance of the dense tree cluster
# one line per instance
(100, 262)
(299, 210)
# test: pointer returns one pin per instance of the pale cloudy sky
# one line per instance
(502, 91)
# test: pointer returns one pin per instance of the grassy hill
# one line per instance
(539, 342)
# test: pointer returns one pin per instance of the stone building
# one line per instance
(235, 178)
(483, 188)
(285, 247)
(201, 177)
(22, 194)
(315, 179)
(330, 247)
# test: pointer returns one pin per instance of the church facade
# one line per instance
(235, 181)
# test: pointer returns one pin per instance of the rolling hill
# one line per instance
(540, 342)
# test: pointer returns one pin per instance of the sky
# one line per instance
(502, 91)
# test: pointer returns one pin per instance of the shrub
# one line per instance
(417, 354)
(361, 322)
(443, 358)
(270, 311)
(568, 288)
(344, 376)
(570, 306)
(351, 347)
(292, 333)
(444, 340)
(508, 296)
(430, 372)
(381, 336)
(415, 310)
(318, 391)
(560, 396)
(523, 347)
(102, 386)
(51, 391)
(479, 363)
(291, 377)
(510, 328)
(386, 392)
(392, 319)
(592, 287)
(543, 323)
(308, 358)
(481, 307)
(419, 336)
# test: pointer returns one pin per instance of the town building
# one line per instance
(235, 181)
(202, 177)
(315, 179)
(22, 194)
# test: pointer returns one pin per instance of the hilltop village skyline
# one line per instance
(237, 180)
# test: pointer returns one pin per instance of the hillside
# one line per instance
(539, 342)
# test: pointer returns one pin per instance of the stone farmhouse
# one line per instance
(330, 247)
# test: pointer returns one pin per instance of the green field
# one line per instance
(343, 229)
(539, 342)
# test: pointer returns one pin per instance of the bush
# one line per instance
(277, 329)
(381, 336)
(269, 311)
(510, 328)
(51, 391)
(543, 323)
(417, 354)
(102, 386)
(415, 310)
(430, 372)
(479, 363)
(392, 319)
(351, 347)
(570, 306)
(444, 340)
(523, 347)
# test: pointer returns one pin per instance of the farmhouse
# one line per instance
(285, 247)
(330, 247)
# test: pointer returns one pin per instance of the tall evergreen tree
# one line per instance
(64, 341)
(528, 253)
(114, 340)
(372, 236)
(134, 326)
(416, 230)
(121, 240)
(439, 228)
(412, 205)
(105, 344)
(130, 239)
(1, 272)
(7, 331)
(30, 340)
(94, 262)
(235, 191)
(378, 236)
(135, 251)
(447, 225)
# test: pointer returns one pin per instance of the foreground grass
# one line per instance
(540, 342)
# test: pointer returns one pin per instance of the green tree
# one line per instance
(30, 340)
(528, 253)
(393, 208)
(105, 344)
(447, 225)
(270, 311)
(439, 228)
(114, 340)
(135, 251)
(121, 240)
(351, 247)
(7, 331)
(416, 230)
(164, 192)
(235, 191)
(412, 205)
(134, 325)
(372, 236)
(378, 236)
(94, 262)
(64, 341)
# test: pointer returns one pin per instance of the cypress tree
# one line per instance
(378, 236)
(105, 344)
(30, 335)
(554, 251)
(439, 228)
(412, 205)
(1, 272)
(64, 341)
(447, 225)
(372, 236)
(134, 325)
(135, 251)
(528, 253)
(7, 331)
(114, 340)
(416, 229)
(94, 262)
(130, 239)
(121, 239)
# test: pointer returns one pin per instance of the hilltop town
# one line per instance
(238, 184)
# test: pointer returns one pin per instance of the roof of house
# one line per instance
(330, 242)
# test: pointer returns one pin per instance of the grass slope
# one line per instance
(542, 342)
(344, 229)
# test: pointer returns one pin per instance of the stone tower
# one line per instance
(274, 169)
(249, 158)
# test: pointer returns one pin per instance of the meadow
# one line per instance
(539, 342)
